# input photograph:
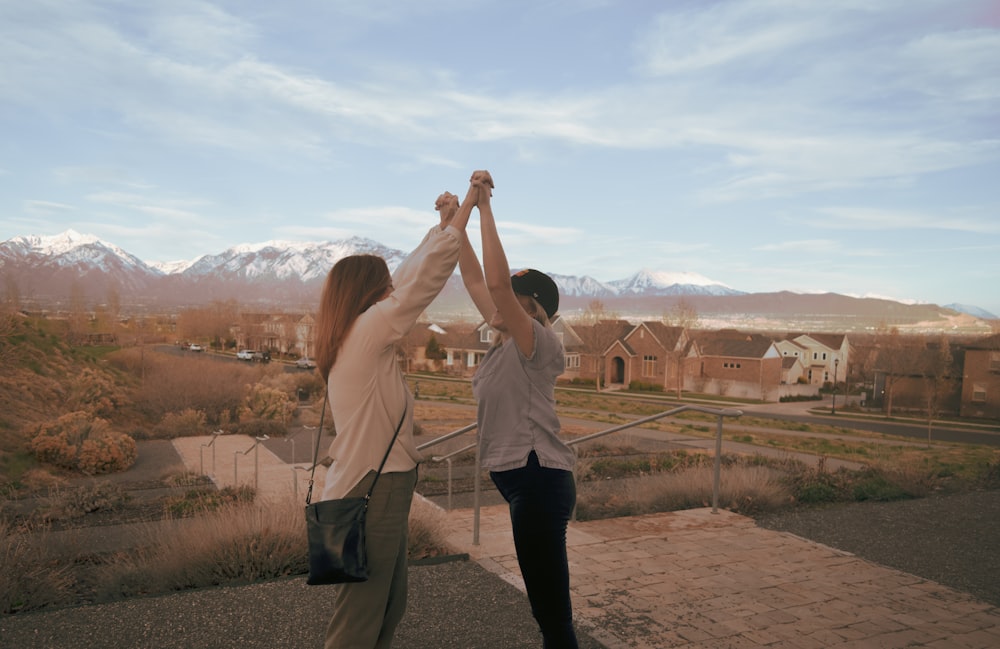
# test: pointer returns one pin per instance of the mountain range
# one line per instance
(50, 271)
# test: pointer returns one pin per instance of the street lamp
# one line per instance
(833, 409)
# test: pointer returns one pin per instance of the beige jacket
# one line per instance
(367, 390)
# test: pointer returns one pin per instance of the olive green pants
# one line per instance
(366, 614)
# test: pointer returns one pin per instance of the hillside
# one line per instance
(40, 376)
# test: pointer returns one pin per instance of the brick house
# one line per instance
(980, 395)
(732, 363)
(465, 348)
(595, 342)
(651, 353)
(914, 378)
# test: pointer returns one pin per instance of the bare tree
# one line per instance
(897, 358)
(598, 329)
(938, 380)
(78, 318)
(213, 322)
(681, 314)
(13, 298)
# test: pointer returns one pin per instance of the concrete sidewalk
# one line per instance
(694, 579)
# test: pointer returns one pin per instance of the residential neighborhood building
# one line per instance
(650, 353)
(825, 357)
(980, 395)
(733, 363)
(283, 333)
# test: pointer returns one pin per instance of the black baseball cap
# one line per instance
(536, 284)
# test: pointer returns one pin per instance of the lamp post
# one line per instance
(833, 409)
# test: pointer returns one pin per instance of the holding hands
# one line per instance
(480, 190)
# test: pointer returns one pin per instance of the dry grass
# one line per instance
(428, 530)
(238, 543)
(32, 570)
(235, 544)
(743, 488)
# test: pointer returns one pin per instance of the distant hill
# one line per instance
(971, 310)
(52, 271)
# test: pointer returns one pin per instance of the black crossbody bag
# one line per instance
(336, 528)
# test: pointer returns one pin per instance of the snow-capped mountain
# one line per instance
(648, 282)
(285, 260)
(71, 249)
(71, 260)
(280, 274)
(585, 286)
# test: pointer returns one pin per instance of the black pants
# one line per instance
(541, 502)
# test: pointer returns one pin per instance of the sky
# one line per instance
(849, 146)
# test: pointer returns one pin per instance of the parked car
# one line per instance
(195, 347)
(245, 354)
(305, 363)
(262, 357)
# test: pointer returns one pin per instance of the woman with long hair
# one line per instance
(363, 313)
(518, 426)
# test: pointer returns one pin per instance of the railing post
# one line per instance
(718, 467)
(449, 483)
(475, 499)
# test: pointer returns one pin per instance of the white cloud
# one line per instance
(862, 218)
(805, 246)
(46, 207)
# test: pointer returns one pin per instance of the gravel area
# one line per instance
(455, 605)
(952, 540)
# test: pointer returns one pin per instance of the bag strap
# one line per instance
(312, 474)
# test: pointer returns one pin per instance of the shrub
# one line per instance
(185, 423)
(640, 386)
(267, 403)
(98, 497)
(110, 453)
(260, 428)
(95, 392)
(817, 492)
(79, 441)
(207, 499)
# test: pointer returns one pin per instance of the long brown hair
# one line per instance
(352, 286)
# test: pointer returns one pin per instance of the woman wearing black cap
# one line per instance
(518, 426)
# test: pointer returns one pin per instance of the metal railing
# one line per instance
(719, 413)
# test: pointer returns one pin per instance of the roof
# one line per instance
(991, 343)
(733, 344)
(666, 335)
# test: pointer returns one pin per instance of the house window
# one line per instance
(815, 355)
(649, 365)
(995, 361)
(824, 356)
(731, 365)
(978, 393)
(486, 335)
(572, 361)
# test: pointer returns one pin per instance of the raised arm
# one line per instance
(516, 319)
(475, 282)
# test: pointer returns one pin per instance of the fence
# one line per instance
(719, 413)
